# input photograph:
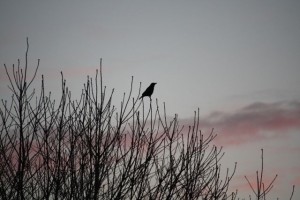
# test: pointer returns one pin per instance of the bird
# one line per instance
(149, 91)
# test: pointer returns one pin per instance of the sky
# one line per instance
(236, 60)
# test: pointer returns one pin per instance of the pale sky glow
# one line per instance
(237, 60)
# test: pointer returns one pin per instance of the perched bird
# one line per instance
(149, 91)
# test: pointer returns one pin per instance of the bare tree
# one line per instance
(261, 190)
(90, 149)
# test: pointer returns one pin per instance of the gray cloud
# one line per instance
(253, 122)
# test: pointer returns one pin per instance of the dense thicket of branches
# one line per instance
(89, 149)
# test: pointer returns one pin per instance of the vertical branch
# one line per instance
(261, 191)
(292, 192)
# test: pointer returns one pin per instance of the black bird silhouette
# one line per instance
(149, 91)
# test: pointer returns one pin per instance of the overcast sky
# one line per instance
(237, 60)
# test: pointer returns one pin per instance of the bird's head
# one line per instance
(153, 84)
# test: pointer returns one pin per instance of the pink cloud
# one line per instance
(293, 173)
(3, 76)
(70, 72)
(253, 122)
(296, 181)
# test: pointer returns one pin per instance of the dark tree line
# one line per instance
(90, 149)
